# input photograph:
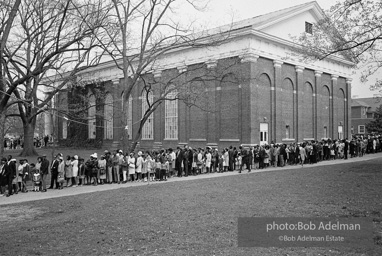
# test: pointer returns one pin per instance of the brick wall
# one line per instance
(236, 98)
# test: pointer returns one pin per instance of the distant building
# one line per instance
(282, 99)
(362, 112)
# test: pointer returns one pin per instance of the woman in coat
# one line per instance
(68, 170)
(226, 160)
(138, 166)
(74, 164)
(102, 169)
(302, 153)
(131, 166)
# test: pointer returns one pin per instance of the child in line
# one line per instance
(36, 177)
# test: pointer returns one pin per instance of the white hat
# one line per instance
(94, 155)
(139, 153)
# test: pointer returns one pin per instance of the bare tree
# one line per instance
(142, 32)
(352, 30)
(50, 42)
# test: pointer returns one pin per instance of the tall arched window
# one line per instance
(229, 107)
(92, 117)
(307, 111)
(108, 117)
(287, 108)
(148, 127)
(64, 128)
(341, 105)
(130, 117)
(325, 110)
(197, 106)
(171, 115)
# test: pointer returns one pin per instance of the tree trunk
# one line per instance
(137, 136)
(2, 131)
(28, 149)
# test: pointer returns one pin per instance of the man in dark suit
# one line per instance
(44, 172)
(185, 160)
(231, 159)
(3, 176)
(346, 147)
(11, 170)
(178, 161)
(54, 172)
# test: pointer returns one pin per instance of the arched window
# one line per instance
(130, 117)
(341, 106)
(92, 117)
(307, 112)
(148, 127)
(108, 117)
(64, 128)
(287, 107)
(171, 115)
(325, 110)
(229, 107)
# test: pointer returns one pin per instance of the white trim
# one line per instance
(299, 69)
(288, 140)
(157, 73)
(200, 140)
(211, 64)
(277, 63)
(182, 69)
(229, 140)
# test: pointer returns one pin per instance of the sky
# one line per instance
(221, 12)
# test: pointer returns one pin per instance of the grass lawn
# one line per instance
(195, 217)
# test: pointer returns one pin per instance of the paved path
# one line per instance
(54, 193)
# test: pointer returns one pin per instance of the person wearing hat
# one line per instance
(116, 167)
(131, 166)
(91, 170)
(138, 166)
(54, 172)
(74, 164)
(68, 171)
(109, 167)
(102, 169)
(61, 172)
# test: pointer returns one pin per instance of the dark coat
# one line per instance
(54, 168)
(44, 166)
(4, 175)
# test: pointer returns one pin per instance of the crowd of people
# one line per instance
(150, 166)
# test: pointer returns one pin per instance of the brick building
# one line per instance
(362, 112)
(280, 99)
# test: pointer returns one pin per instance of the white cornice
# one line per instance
(238, 44)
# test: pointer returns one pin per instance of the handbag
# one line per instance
(60, 178)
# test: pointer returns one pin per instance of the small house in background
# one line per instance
(362, 112)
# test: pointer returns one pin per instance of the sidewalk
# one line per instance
(54, 193)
